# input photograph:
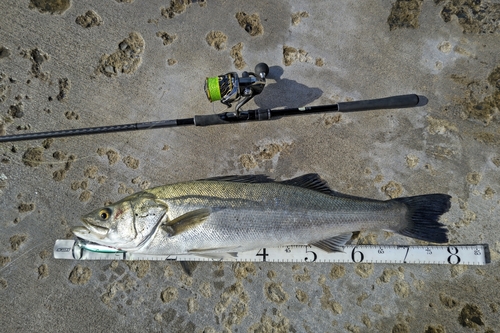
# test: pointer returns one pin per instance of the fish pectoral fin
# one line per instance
(189, 266)
(334, 244)
(186, 221)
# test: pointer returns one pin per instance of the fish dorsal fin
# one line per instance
(311, 181)
(314, 182)
(241, 179)
(334, 244)
(186, 221)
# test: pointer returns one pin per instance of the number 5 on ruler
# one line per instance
(315, 256)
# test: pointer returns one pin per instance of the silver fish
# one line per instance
(219, 217)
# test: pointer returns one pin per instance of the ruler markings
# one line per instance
(469, 254)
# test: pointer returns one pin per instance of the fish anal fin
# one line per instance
(186, 221)
(334, 244)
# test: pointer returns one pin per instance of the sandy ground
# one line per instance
(91, 63)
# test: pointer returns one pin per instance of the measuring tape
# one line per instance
(475, 254)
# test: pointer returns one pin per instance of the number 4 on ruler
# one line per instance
(263, 254)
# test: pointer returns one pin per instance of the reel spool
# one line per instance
(230, 88)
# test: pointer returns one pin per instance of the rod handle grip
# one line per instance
(393, 102)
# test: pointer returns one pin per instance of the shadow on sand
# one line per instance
(285, 92)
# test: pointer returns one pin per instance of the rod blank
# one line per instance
(394, 102)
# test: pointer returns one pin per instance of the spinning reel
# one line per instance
(230, 88)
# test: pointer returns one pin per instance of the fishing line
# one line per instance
(24, 254)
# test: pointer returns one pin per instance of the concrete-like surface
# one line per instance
(57, 74)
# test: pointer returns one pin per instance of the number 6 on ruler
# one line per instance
(359, 258)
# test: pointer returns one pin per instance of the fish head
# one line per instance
(126, 225)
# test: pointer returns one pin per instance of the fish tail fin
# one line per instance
(423, 216)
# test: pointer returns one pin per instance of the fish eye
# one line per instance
(105, 213)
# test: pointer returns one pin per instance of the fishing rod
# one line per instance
(230, 88)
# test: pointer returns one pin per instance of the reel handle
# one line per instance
(262, 69)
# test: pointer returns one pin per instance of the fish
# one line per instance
(219, 217)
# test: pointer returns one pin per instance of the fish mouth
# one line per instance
(90, 229)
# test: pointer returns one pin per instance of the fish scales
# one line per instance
(240, 213)
(248, 215)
